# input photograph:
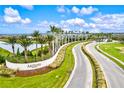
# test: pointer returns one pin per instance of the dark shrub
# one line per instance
(2, 59)
(29, 53)
(18, 52)
(45, 51)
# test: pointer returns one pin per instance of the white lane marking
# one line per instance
(89, 71)
(107, 81)
(75, 66)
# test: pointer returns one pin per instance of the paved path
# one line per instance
(82, 76)
(113, 73)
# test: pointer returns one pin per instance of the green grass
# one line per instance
(5, 53)
(56, 78)
(111, 49)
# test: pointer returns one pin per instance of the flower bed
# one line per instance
(57, 63)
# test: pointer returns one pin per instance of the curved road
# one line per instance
(113, 73)
(82, 76)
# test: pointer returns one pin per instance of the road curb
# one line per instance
(75, 66)
(105, 76)
(97, 46)
(89, 65)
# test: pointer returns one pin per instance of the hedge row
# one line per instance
(60, 58)
(6, 72)
(98, 76)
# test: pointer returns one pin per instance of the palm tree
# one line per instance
(36, 35)
(42, 40)
(50, 38)
(12, 41)
(55, 32)
(25, 42)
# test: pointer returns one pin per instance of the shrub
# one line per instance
(99, 79)
(6, 72)
(45, 51)
(18, 52)
(109, 40)
(2, 59)
(60, 57)
(29, 53)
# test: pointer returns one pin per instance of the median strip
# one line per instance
(98, 76)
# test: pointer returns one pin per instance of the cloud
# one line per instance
(75, 21)
(109, 22)
(84, 11)
(61, 9)
(13, 16)
(96, 24)
(87, 11)
(75, 9)
(26, 21)
(28, 7)
(46, 24)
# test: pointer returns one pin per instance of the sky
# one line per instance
(16, 19)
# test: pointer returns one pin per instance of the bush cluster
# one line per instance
(2, 59)
(60, 58)
(6, 72)
(100, 81)
(29, 53)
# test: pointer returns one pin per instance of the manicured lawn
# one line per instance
(56, 78)
(114, 49)
(5, 53)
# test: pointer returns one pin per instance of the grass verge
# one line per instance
(118, 63)
(56, 78)
(98, 76)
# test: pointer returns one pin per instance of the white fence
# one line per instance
(31, 66)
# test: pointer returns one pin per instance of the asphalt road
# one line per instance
(113, 73)
(82, 77)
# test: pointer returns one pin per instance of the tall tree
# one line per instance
(36, 35)
(12, 41)
(42, 40)
(50, 38)
(55, 32)
(25, 42)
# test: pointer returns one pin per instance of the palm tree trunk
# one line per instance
(25, 52)
(53, 46)
(13, 49)
(41, 52)
(36, 49)
(50, 49)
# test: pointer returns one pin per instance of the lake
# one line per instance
(8, 47)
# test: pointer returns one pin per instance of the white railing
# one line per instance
(34, 65)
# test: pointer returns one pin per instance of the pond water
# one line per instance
(8, 47)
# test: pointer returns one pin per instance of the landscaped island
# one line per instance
(55, 74)
(55, 78)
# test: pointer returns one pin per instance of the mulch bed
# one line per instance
(26, 73)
